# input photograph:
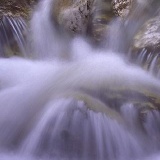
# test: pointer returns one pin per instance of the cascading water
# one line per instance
(44, 43)
(12, 31)
(150, 60)
(88, 105)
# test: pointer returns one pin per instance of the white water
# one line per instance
(51, 107)
(43, 42)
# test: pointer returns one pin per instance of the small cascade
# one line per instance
(68, 129)
(149, 60)
(12, 31)
(152, 127)
(146, 124)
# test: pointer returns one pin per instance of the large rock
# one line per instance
(83, 17)
(72, 16)
(149, 35)
(91, 17)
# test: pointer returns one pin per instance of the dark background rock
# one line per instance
(16, 7)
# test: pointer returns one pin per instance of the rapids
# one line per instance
(53, 104)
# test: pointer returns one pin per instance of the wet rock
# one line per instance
(146, 46)
(72, 16)
(122, 7)
(85, 17)
(136, 105)
(146, 98)
(149, 35)
(91, 17)
(143, 99)
(94, 104)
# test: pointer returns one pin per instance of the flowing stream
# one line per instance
(67, 100)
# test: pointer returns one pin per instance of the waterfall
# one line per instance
(68, 100)
(45, 38)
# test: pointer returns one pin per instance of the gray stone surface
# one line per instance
(72, 16)
(149, 34)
